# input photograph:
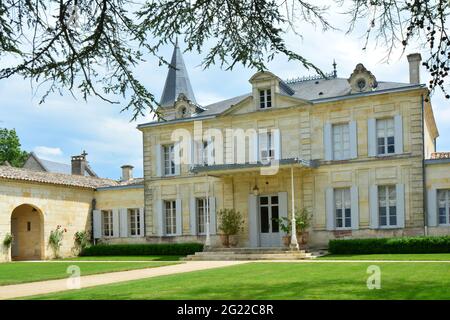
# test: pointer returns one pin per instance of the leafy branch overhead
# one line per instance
(93, 48)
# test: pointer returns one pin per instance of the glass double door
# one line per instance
(269, 214)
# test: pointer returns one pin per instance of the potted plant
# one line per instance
(303, 221)
(230, 224)
(7, 243)
(285, 226)
(55, 240)
(81, 241)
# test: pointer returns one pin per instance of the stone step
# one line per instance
(217, 255)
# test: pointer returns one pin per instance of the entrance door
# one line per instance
(269, 213)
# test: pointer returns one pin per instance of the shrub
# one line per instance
(55, 239)
(230, 221)
(181, 249)
(391, 245)
(8, 240)
(81, 240)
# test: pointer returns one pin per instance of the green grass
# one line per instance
(282, 281)
(126, 258)
(403, 257)
(20, 272)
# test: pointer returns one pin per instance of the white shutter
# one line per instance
(116, 231)
(177, 158)
(159, 217)
(372, 137)
(432, 208)
(328, 141)
(353, 131)
(179, 217)
(329, 207)
(400, 191)
(142, 222)
(253, 220)
(282, 205)
(354, 207)
(97, 224)
(398, 134)
(212, 216)
(123, 213)
(158, 160)
(254, 154)
(193, 216)
(210, 152)
(373, 204)
(276, 142)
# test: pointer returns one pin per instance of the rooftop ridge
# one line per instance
(309, 78)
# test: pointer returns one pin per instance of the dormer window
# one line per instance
(265, 99)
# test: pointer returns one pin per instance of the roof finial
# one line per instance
(334, 68)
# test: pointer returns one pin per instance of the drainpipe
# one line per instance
(93, 207)
(425, 207)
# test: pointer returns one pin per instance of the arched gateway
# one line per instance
(27, 228)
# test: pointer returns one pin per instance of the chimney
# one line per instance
(127, 172)
(414, 67)
(79, 164)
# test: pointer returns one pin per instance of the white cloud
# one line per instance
(49, 153)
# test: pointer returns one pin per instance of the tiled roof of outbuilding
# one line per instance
(12, 173)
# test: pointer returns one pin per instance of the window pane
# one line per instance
(275, 226)
(274, 200)
(263, 200)
(264, 219)
(382, 212)
(393, 216)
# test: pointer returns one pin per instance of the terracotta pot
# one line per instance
(286, 240)
(302, 238)
(233, 240)
(225, 238)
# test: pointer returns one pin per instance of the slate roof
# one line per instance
(21, 174)
(59, 167)
(177, 81)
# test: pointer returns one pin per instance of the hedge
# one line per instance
(181, 249)
(390, 245)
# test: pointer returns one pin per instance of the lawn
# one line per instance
(402, 257)
(126, 258)
(20, 272)
(278, 280)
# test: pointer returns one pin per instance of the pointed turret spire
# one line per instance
(177, 80)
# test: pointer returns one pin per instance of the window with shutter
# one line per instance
(170, 217)
(169, 159)
(387, 206)
(202, 215)
(107, 223)
(443, 197)
(134, 221)
(341, 141)
(385, 136)
(343, 212)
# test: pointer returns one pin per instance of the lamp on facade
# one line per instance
(255, 190)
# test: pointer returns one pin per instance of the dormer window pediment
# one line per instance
(362, 80)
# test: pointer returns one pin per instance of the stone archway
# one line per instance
(27, 228)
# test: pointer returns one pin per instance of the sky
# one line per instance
(64, 126)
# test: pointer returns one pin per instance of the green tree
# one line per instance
(10, 148)
(94, 47)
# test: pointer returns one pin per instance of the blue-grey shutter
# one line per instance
(372, 137)
(142, 222)
(328, 141)
(354, 207)
(432, 207)
(179, 217)
(97, 224)
(400, 191)
(159, 223)
(398, 134)
(116, 230)
(373, 206)
(123, 213)
(353, 131)
(253, 221)
(193, 216)
(158, 161)
(283, 205)
(329, 207)
(212, 215)
(276, 136)
(177, 157)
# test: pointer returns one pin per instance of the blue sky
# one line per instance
(64, 126)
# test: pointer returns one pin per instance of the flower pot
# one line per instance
(233, 240)
(225, 238)
(286, 240)
(302, 238)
